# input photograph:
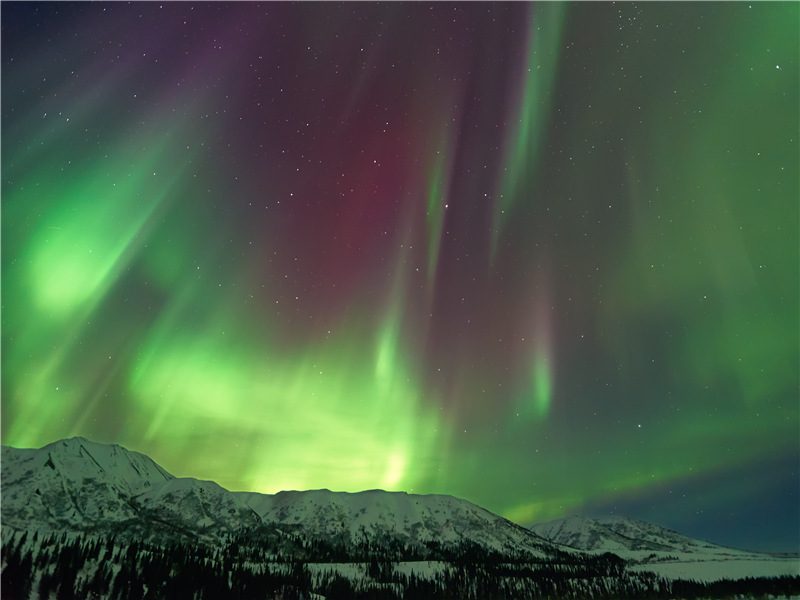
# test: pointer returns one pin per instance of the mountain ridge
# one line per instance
(89, 486)
(612, 533)
(110, 523)
(121, 485)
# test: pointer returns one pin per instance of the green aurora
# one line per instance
(540, 256)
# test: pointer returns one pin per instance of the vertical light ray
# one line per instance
(542, 383)
(530, 124)
(537, 386)
(437, 195)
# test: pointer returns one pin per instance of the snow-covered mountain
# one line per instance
(79, 485)
(624, 536)
(74, 483)
(649, 547)
(378, 515)
(109, 523)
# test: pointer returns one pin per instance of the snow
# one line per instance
(425, 569)
(619, 534)
(714, 570)
(82, 485)
(77, 485)
(649, 547)
(416, 518)
(349, 570)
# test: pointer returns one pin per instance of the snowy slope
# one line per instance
(411, 518)
(652, 536)
(715, 570)
(626, 537)
(649, 547)
(78, 485)
(584, 534)
(73, 483)
(203, 507)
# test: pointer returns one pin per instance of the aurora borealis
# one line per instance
(543, 257)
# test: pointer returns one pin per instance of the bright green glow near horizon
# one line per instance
(319, 418)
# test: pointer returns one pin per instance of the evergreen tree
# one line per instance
(17, 576)
(45, 585)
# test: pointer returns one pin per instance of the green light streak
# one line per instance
(88, 227)
(86, 238)
(546, 26)
(387, 353)
(434, 217)
(542, 385)
(533, 402)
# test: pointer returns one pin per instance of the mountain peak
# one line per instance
(75, 443)
(74, 480)
(90, 486)
(622, 535)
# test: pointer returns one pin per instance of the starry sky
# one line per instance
(543, 257)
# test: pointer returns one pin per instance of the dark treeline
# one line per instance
(81, 567)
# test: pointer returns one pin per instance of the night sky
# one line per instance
(542, 257)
